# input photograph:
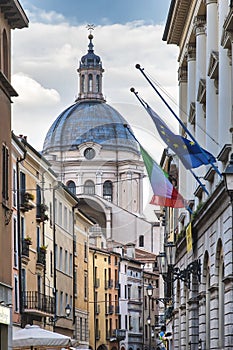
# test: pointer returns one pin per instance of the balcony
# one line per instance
(41, 214)
(97, 309)
(41, 259)
(97, 334)
(25, 252)
(38, 303)
(120, 334)
(109, 309)
(26, 202)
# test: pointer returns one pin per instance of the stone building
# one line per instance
(93, 153)
(202, 317)
(12, 17)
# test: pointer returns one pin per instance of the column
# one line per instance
(191, 59)
(199, 25)
(79, 188)
(99, 184)
(211, 97)
(182, 77)
(225, 99)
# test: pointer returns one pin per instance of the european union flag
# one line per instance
(189, 152)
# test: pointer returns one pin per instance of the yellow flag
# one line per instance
(189, 238)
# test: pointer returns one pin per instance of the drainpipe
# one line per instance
(95, 301)
(74, 251)
(19, 160)
(54, 260)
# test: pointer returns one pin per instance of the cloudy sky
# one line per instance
(46, 57)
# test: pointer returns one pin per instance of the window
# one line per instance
(15, 242)
(98, 83)
(81, 328)
(22, 227)
(107, 191)
(60, 213)
(90, 83)
(141, 241)
(89, 187)
(5, 54)
(71, 265)
(14, 189)
(22, 186)
(65, 218)
(16, 293)
(60, 259)
(82, 83)
(89, 153)
(66, 261)
(5, 168)
(61, 303)
(51, 263)
(85, 287)
(85, 251)
(71, 186)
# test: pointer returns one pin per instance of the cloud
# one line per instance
(45, 61)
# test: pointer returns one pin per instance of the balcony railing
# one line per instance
(120, 334)
(33, 300)
(41, 256)
(97, 334)
(25, 248)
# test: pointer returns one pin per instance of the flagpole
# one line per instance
(196, 177)
(127, 127)
(177, 118)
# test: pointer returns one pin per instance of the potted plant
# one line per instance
(28, 240)
(43, 248)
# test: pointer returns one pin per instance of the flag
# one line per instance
(189, 239)
(189, 152)
(165, 194)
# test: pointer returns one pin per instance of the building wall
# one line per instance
(6, 92)
(203, 310)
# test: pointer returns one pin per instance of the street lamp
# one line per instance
(149, 290)
(228, 178)
(170, 273)
(67, 314)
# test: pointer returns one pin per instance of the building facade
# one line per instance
(12, 17)
(202, 315)
(95, 155)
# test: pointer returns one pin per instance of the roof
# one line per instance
(14, 13)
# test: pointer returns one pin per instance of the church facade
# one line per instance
(96, 156)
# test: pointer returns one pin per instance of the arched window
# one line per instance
(82, 83)
(90, 83)
(5, 54)
(89, 187)
(107, 191)
(98, 83)
(71, 186)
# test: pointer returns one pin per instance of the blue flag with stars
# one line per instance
(190, 154)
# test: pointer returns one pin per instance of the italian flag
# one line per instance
(165, 193)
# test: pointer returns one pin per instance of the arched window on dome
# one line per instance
(98, 83)
(90, 82)
(82, 83)
(89, 187)
(71, 186)
(107, 191)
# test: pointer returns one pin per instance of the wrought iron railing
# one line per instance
(38, 301)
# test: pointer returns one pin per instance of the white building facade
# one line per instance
(202, 29)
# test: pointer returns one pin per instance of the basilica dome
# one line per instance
(89, 121)
(90, 118)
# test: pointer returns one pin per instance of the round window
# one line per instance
(89, 153)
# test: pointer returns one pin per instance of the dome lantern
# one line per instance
(90, 75)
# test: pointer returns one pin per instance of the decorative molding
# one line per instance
(8, 215)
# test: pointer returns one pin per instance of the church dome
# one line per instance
(90, 118)
(89, 121)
